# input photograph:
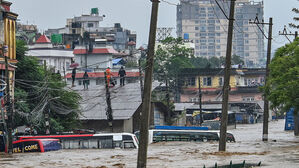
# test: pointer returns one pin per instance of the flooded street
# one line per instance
(282, 150)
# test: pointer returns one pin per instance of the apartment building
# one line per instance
(206, 25)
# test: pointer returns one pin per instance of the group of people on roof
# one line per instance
(121, 73)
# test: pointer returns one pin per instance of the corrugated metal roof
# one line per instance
(124, 101)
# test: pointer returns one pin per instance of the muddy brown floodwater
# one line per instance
(282, 151)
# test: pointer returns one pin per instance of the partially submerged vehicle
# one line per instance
(36, 145)
(159, 135)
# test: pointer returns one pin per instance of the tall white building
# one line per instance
(203, 22)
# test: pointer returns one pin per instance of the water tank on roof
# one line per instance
(186, 36)
(94, 11)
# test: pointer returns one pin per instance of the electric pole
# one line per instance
(199, 99)
(8, 106)
(285, 33)
(266, 101)
(226, 86)
(146, 105)
(140, 77)
(109, 108)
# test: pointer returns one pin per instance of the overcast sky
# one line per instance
(132, 14)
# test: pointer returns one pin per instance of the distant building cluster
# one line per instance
(203, 22)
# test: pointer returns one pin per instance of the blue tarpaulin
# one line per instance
(116, 61)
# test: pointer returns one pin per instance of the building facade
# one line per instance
(8, 43)
(58, 59)
(243, 83)
(205, 24)
(116, 36)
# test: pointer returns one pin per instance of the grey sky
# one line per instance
(132, 14)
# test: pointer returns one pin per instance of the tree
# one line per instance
(171, 56)
(293, 25)
(37, 90)
(282, 88)
(237, 60)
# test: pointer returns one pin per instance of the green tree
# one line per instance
(171, 56)
(237, 60)
(37, 90)
(282, 88)
(296, 19)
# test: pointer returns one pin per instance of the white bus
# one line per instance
(92, 141)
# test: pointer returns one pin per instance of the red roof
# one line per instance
(101, 74)
(96, 51)
(43, 39)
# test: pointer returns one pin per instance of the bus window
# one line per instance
(129, 144)
(93, 144)
(74, 144)
(84, 144)
(106, 142)
(66, 144)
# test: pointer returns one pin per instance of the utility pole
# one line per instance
(266, 101)
(285, 33)
(8, 105)
(199, 99)
(47, 111)
(226, 86)
(109, 108)
(140, 78)
(167, 99)
(146, 105)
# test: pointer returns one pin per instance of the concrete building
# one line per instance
(95, 56)
(57, 58)
(244, 85)
(204, 23)
(117, 36)
(8, 42)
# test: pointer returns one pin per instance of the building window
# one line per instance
(90, 25)
(247, 99)
(190, 81)
(207, 81)
(196, 28)
(220, 81)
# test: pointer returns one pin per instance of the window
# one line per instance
(90, 25)
(207, 81)
(196, 28)
(190, 81)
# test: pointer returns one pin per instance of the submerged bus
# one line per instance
(159, 135)
(93, 141)
(36, 145)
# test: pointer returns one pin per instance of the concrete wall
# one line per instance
(128, 125)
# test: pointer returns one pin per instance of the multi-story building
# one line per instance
(73, 32)
(8, 42)
(244, 85)
(58, 59)
(205, 24)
